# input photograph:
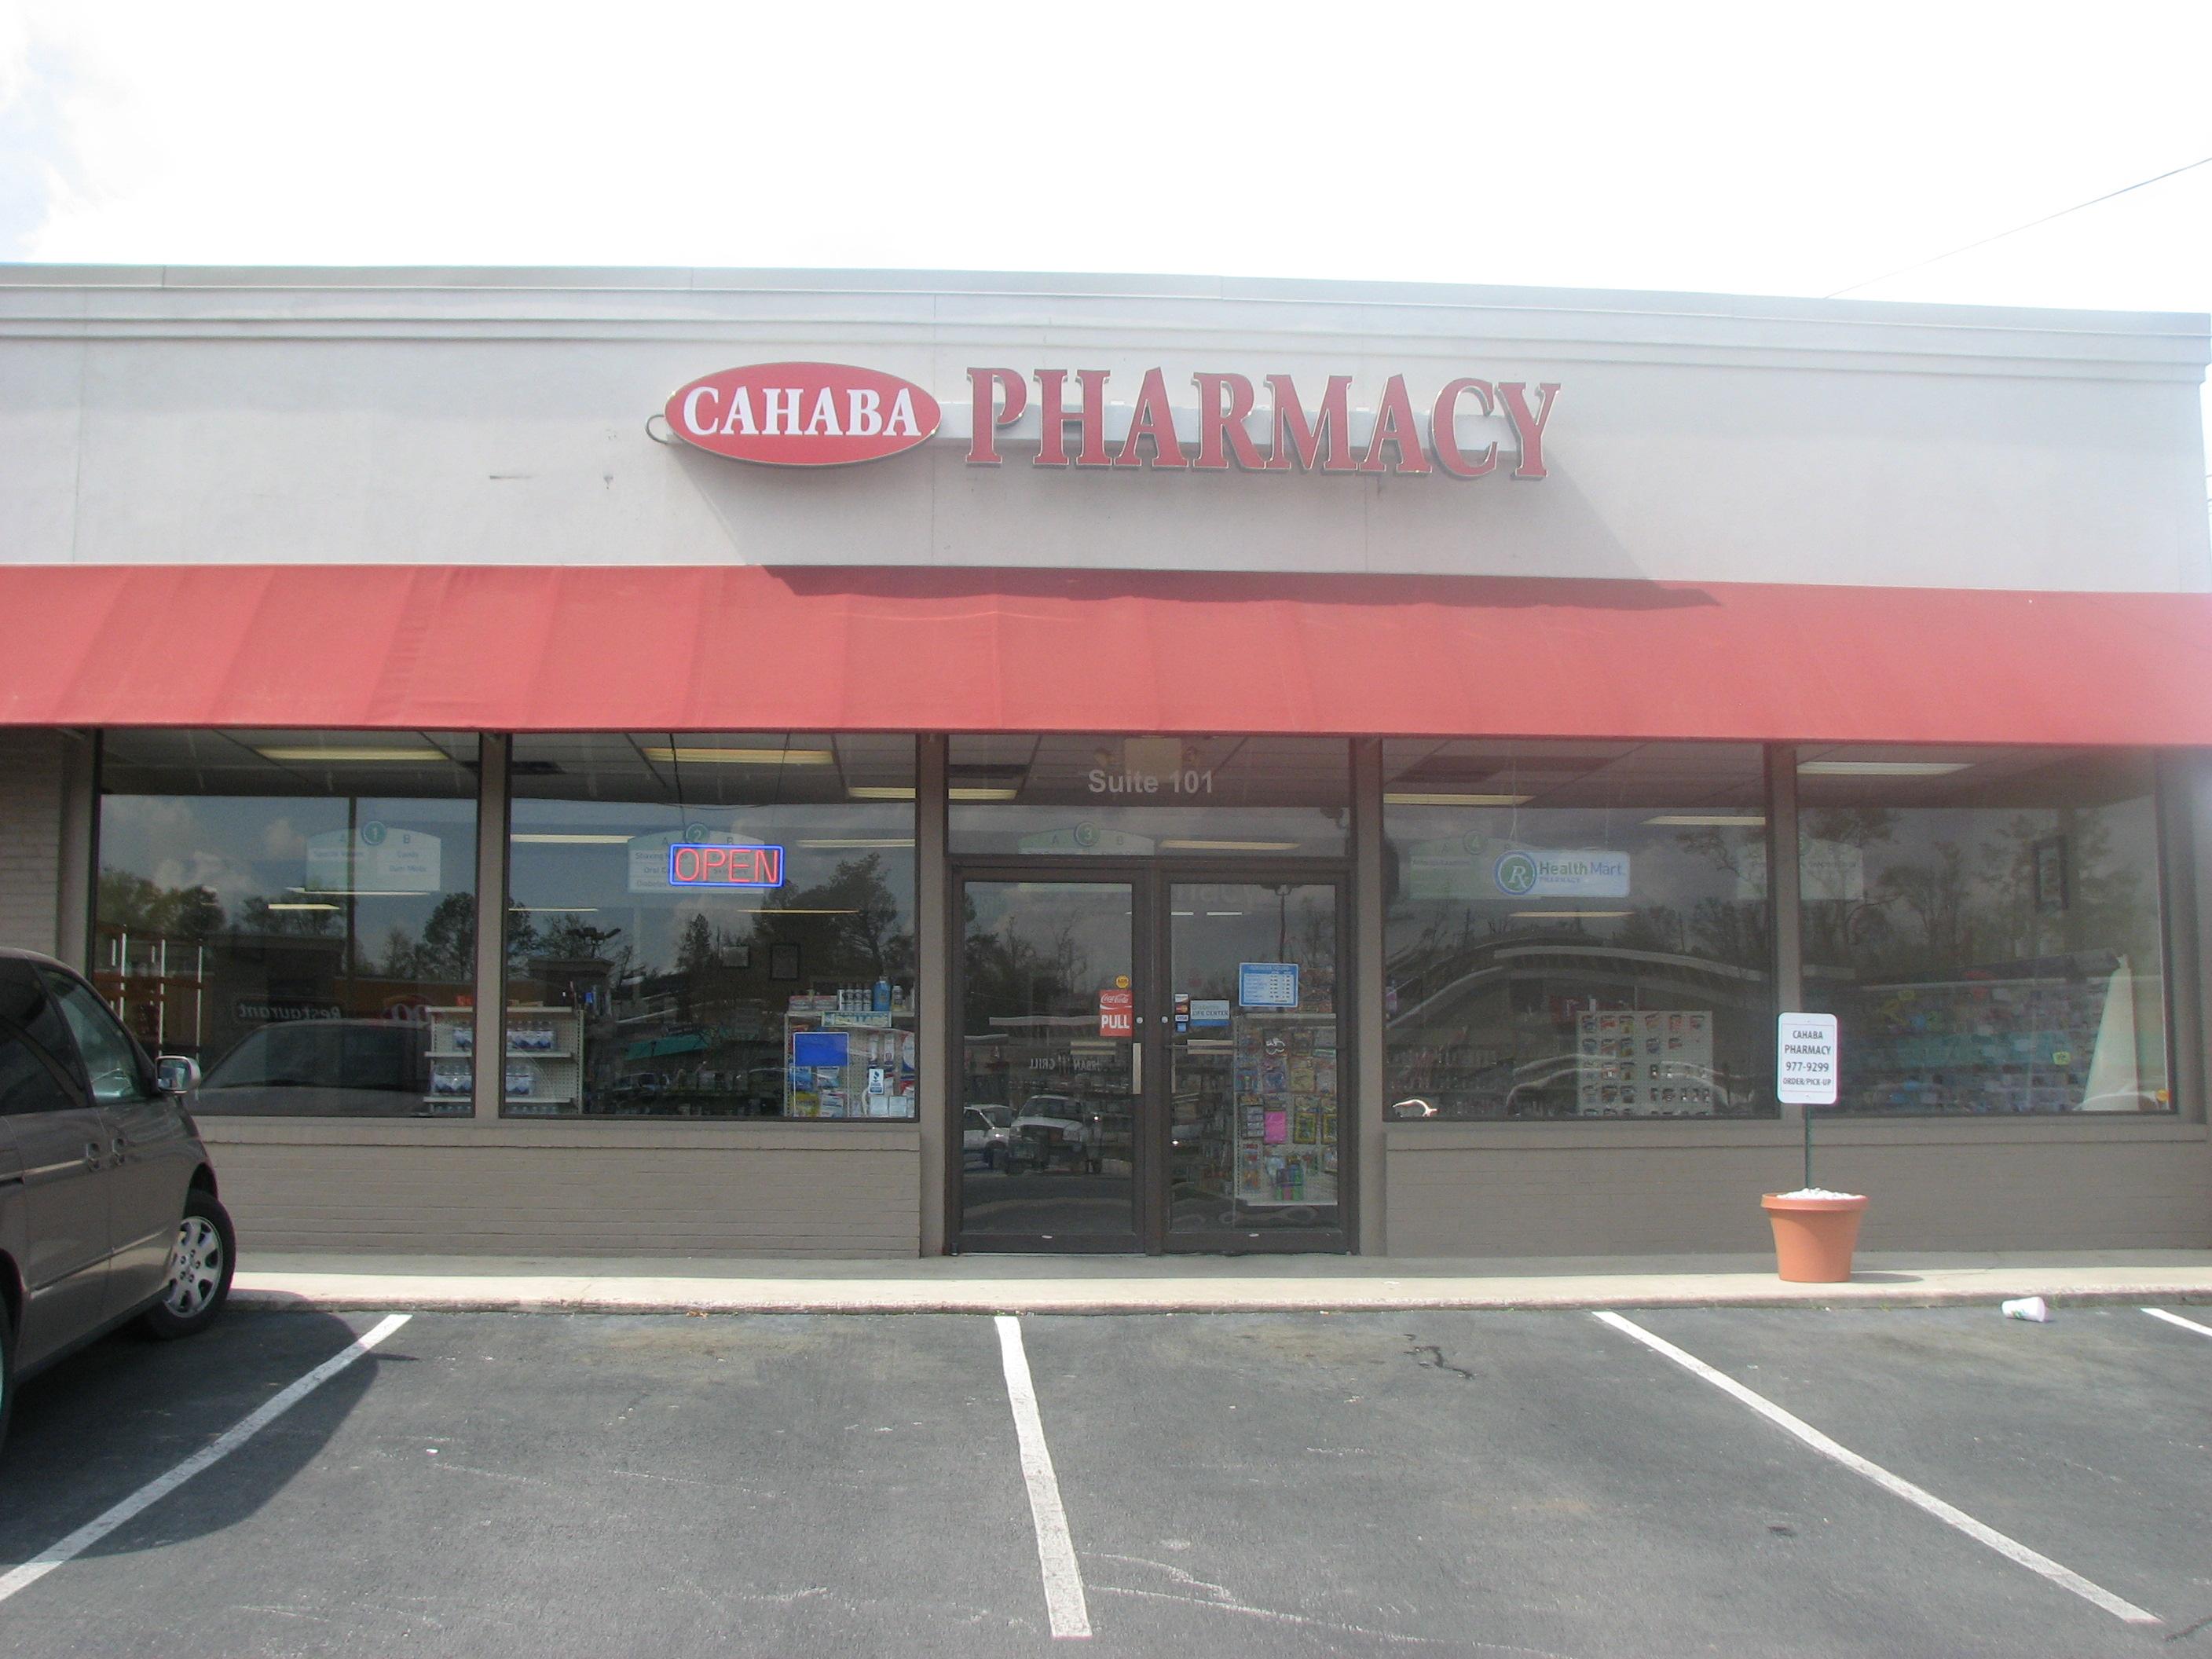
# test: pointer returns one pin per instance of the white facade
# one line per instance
(316, 418)
(459, 417)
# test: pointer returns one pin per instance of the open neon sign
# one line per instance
(693, 864)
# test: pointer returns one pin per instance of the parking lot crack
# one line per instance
(1225, 1599)
(2188, 1631)
(1429, 1354)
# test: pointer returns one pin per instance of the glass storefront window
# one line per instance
(295, 910)
(1133, 797)
(1984, 922)
(711, 924)
(1254, 1134)
(1577, 930)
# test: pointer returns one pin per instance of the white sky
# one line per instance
(1761, 148)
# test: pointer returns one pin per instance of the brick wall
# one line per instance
(32, 766)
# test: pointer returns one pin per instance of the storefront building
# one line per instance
(731, 762)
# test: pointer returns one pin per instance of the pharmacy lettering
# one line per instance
(1456, 433)
(806, 414)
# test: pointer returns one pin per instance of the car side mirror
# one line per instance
(1406, 1109)
(177, 1074)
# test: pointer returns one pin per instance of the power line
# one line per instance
(2016, 229)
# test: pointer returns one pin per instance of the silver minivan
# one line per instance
(108, 1212)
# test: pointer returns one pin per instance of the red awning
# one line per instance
(705, 648)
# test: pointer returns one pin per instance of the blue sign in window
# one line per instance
(1268, 984)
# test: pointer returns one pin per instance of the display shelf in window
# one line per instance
(1284, 1121)
(544, 1062)
(850, 1053)
(2008, 1043)
(1646, 1062)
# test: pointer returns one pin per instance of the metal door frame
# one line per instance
(1150, 882)
(1146, 1176)
(1343, 1237)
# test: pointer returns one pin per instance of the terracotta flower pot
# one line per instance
(1814, 1237)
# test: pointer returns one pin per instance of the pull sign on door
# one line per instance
(1117, 1013)
(1806, 1051)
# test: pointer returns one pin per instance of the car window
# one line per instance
(307, 1057)
(35, 1065)
(245, 1065)
(28, 1082)
(376, 1056)
(325, 1054)
(113, 1062)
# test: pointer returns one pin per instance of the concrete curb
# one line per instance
(431, 1296)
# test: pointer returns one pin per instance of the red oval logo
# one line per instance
(803, 414)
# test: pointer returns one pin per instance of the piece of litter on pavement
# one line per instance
(2026, 1307)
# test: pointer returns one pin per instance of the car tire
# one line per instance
(200, 1263)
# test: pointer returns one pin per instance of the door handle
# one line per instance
(122, 1147)
(1136, 1068)
(92, 1155)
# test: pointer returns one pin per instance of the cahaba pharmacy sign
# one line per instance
(811, 415)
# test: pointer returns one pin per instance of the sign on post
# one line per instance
(1805, 1059)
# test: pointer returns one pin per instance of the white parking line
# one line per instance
(156, 1490)
(2010, 1548)
(1063, 1579)
(2176, 1319)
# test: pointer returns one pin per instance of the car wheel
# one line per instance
(201, 1262)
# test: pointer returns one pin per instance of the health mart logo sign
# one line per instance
(1522, 874)
(835, 415)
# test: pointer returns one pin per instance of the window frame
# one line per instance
(2174, 939)
(500, 910)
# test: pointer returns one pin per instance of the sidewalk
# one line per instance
(1101, 1285)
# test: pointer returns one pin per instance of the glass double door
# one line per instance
(1150, 1060)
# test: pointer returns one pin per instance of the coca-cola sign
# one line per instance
(803, 414)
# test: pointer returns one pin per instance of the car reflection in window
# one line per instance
(323, 1067)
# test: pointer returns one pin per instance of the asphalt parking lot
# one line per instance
(1536, 1484)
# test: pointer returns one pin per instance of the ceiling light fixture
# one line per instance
(1711, 820)
(562, 838)
(1570, 916)
(972, 792)
(378, 753)
(1228, 845)
(1411, 798)
(879, 792)
(360, 892)
(861, 840)
(713, 756)
(1844, 768)
(302, 907)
